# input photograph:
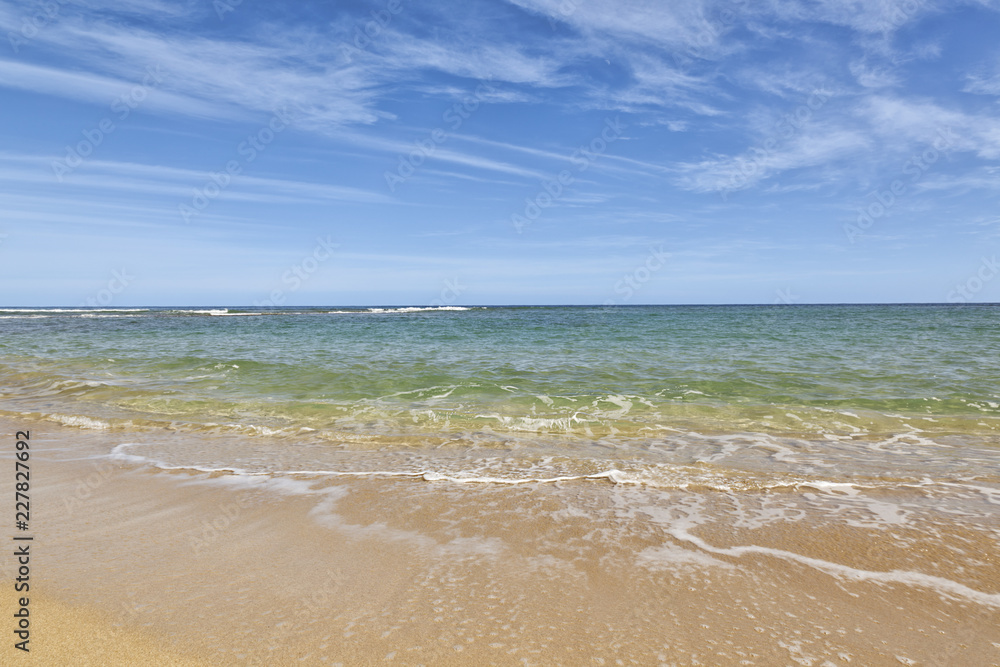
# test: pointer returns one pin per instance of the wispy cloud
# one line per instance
(154, 188)
(103, 90)
(817, 148)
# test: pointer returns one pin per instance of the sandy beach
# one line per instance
(137, 566)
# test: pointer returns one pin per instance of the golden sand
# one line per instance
(134, 566)
(72, 635)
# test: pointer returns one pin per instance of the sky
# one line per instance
(394, 152)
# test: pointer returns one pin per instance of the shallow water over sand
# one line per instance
(315, 568)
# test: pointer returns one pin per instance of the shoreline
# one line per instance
(318, 570)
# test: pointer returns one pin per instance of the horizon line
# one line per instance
(507, 305)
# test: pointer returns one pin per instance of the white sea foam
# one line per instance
(424, 390)
(614, 476)
(118, 453)
(80, 421)
(944, 587)
(668, 556)
(513, 471)
(992, 495)
(822, 485)
(73, 310)
(416, 309)
(624, 405)
(535, 424)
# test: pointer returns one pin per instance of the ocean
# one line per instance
(745, 396)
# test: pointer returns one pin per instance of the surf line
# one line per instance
(939, 584)
(614, 476)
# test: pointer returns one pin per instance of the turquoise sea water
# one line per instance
(649, 385)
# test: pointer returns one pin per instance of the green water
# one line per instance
(576, 373)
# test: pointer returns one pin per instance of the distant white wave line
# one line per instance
(73, 310)
(215, 312)
(836, 569)
(413, 309)
(219, 312)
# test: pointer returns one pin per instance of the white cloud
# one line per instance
(441, 153)
(815, 148)
(983, 84)
(663, 24)
(864, 16)
(873, 76)
(472, 58)
(158, 180)
(907, 124)
(103, 90)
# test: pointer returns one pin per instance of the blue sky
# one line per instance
(492, 152)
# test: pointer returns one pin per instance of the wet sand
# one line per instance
(132, 566)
